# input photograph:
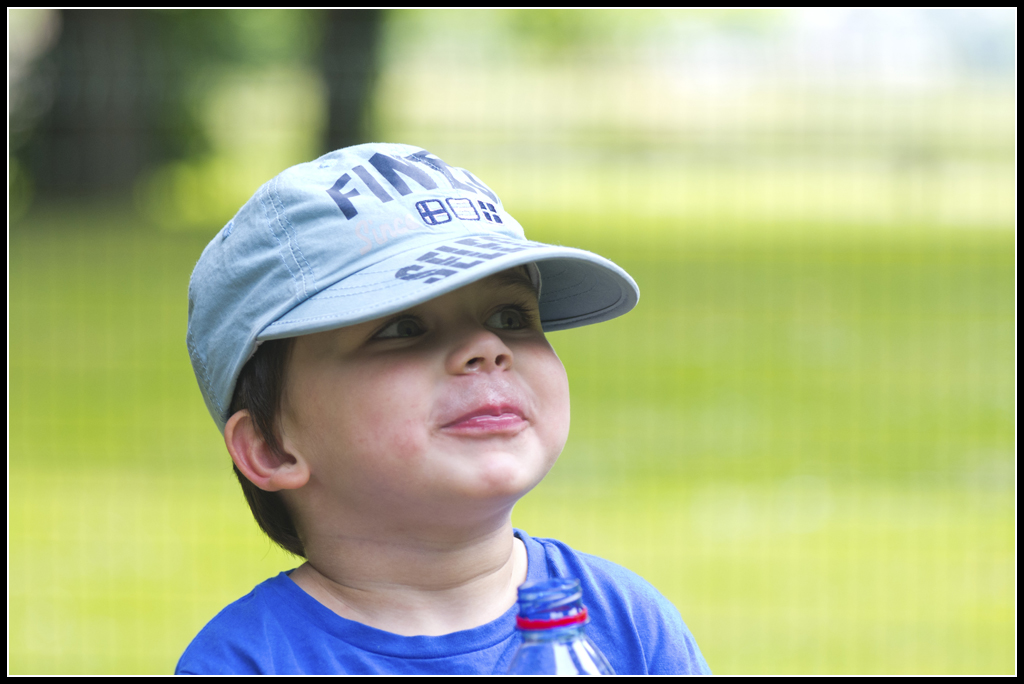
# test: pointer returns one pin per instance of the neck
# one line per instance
(417, 583)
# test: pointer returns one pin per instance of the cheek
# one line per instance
(367, 417)
(562, 412)
(553, 391)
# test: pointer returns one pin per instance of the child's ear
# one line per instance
(265, 467)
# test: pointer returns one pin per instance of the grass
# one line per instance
(807, 443)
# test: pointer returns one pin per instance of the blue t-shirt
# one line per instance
(278, 628)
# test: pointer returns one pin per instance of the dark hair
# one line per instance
(258, 391)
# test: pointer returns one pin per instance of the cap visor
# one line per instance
(577, 287)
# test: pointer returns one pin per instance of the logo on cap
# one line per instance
(463, 209)
(433, 212)
(416, 168)
(490, 213)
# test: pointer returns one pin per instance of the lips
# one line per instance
(493, 408)
(488, 419)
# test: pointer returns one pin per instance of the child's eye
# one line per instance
(509, 319)
(403, 327)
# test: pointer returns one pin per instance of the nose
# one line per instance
(479, 352)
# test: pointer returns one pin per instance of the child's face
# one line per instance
(458, 401)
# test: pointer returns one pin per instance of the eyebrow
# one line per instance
(515, 277)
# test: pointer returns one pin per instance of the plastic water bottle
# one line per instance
(551, 621)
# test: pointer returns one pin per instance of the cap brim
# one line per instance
(577, 287)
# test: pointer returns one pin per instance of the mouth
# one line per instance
(490, 420)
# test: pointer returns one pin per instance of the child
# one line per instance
(368, 334)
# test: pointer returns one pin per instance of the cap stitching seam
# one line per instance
(293, 243)
(575, 295)
(564, 288)
(277, 238)
(321, 295)
(375, 305)
(335, 290)
(290, 243)
(369, 269)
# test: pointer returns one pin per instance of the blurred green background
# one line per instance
(805, 433)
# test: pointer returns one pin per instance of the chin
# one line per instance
(505, 477)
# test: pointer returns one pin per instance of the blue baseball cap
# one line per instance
(365, 232)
